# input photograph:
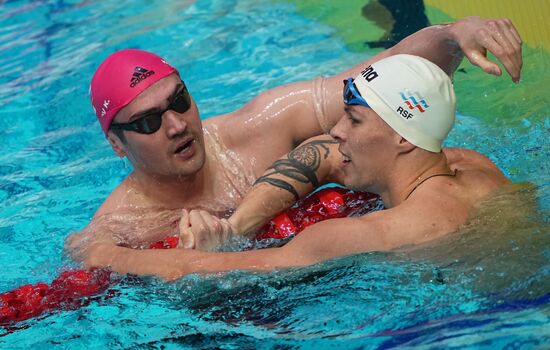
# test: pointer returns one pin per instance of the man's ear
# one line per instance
(116, 144)
(405, 146)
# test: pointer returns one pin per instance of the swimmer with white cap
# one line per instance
(398, 112)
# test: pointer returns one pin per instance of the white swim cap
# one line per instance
(413, 96)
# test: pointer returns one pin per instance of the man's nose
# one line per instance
(337, 131)
(175, 123)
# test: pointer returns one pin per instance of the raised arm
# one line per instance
(302, 110)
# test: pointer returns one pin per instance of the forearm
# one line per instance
(263, 202)
(322, 241)
(78, 245)
(289, 179)
(171, 264)
(436, 43)
(164, 263)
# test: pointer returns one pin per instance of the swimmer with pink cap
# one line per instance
(180, 161)
(120, 78)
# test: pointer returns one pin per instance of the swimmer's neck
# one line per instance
(408, 175)
(171, 191)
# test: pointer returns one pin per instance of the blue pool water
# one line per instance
(487, 289)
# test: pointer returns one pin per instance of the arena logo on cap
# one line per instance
(369, 73)
(139, 75)
(412, 100)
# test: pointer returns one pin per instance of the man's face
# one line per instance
(177, 148)
(367, 145)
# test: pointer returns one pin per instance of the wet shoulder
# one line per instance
(468, 159)
(122, 198)
(475, 167)
(229, 128)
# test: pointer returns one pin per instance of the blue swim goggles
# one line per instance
(351, 95)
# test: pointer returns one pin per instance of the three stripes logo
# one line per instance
(414, 100)
(139, 75)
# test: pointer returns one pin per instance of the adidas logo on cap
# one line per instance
(139, 75)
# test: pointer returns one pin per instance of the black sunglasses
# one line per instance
(151, 122)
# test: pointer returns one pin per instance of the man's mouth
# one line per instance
(345, 158)
(185, 148)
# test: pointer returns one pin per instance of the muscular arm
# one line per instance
(410, 223)
(310, 165)
(286, 116)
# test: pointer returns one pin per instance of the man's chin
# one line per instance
(355, 185)
(192, 168)
(349, 183)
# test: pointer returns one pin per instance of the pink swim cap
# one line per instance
(120, 78)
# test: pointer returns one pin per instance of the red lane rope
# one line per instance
(72, 288)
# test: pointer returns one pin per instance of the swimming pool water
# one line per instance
(487, 289)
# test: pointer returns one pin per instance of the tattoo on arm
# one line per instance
(300, 165)
(281, 184)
